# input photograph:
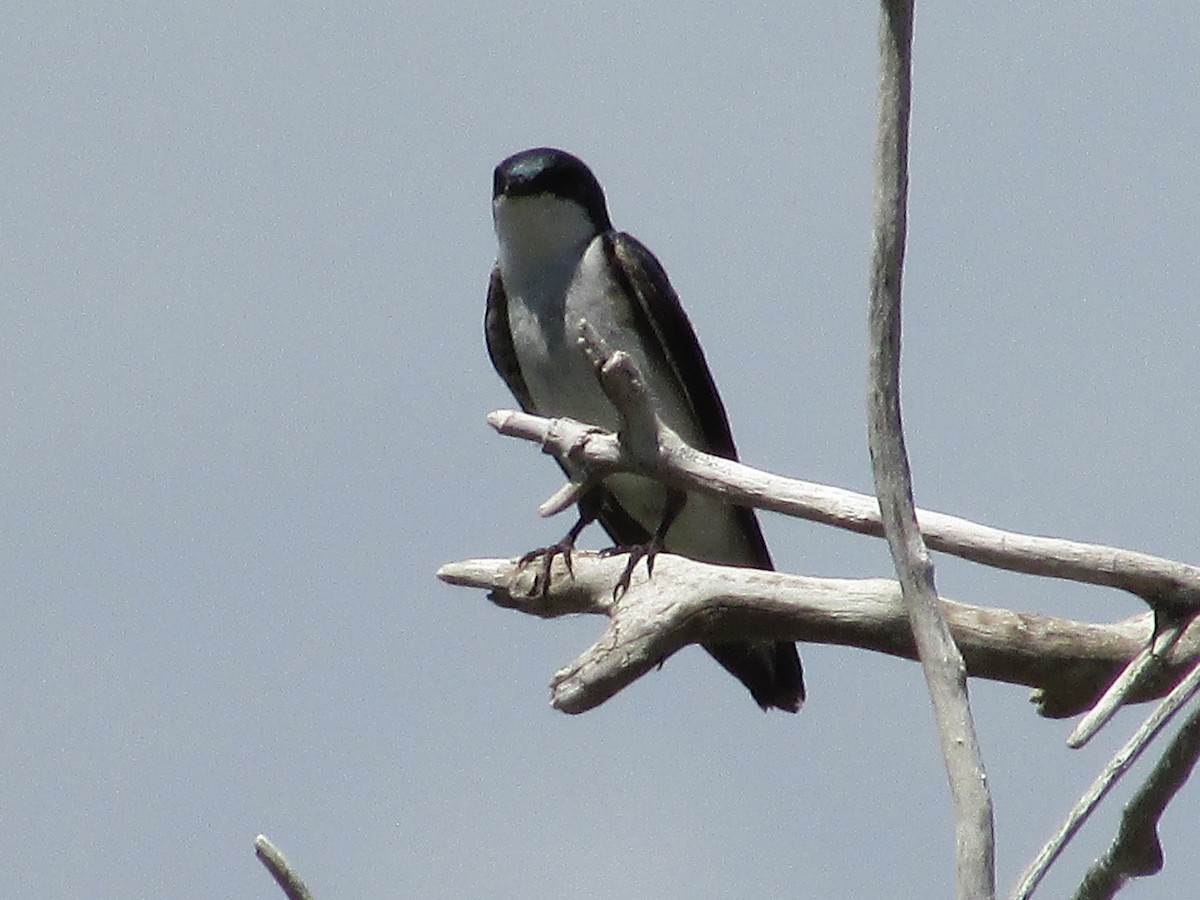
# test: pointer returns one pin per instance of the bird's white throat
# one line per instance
(540, 238)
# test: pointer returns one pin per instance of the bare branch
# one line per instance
(1140, 669)
(945, 672)
(1117, 766)
(285, 876)
(1069, 663)
(1163, 583)
(1136, 850)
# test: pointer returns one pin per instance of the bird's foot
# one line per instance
(544, 556)
(637, 552)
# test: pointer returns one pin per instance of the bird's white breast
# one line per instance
(546, 326)
(545, 319)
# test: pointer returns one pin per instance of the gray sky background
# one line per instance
(244, 250)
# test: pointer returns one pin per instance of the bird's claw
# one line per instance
(541, 581)
(637, 552)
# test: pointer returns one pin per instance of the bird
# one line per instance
(559, 262)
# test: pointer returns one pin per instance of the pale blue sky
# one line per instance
(244, 250)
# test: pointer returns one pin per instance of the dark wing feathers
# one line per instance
(498, 334)
(771, 670)
(661, 314)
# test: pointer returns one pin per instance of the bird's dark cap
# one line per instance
(545, 170)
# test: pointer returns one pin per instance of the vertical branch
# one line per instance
(941, 661)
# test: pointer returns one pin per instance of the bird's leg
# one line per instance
(589, 509)
(675, 502)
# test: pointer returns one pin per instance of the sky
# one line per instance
(244, 249)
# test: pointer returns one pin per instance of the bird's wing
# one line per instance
(498, 334)
(669, 336)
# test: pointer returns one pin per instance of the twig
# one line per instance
(281, 870)
(1112, 772)
(1136, 850)
(1140, 669)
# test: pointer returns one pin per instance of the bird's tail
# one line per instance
(771, 671)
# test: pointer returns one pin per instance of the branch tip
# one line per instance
(281, 870)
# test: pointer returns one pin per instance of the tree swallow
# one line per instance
(560, 262)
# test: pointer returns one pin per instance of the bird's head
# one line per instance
(546, 202)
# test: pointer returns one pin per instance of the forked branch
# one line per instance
(1067, 662)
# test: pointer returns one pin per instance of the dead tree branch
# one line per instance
(1143, 666)
(945, 673)
(1068, 663)
(1163, 583)
(1117, 766)
(1136, 851)
(281, 870)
